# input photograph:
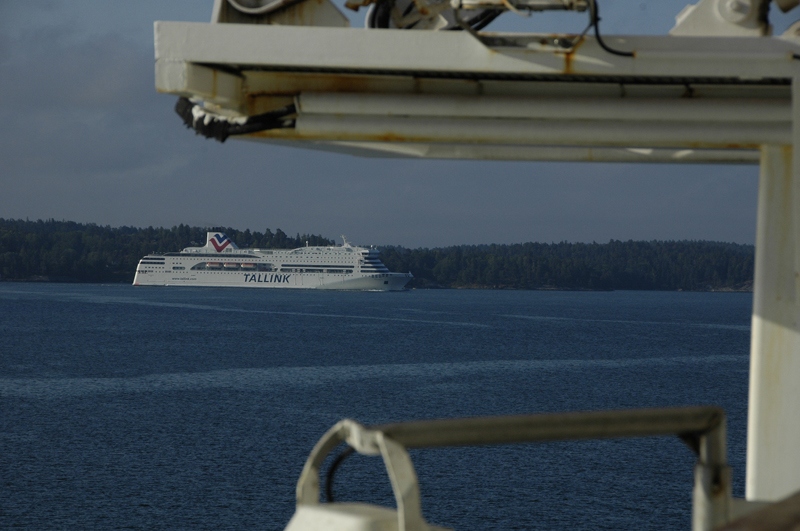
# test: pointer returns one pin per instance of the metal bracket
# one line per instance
(723, 18)
(368, 442)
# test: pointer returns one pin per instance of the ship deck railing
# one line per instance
(702, 428)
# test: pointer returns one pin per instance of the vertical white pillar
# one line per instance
(773, 430)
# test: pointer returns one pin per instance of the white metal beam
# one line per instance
(195, 81)
(541, 132)
(541, 153)
(777, 111)
(459, 53)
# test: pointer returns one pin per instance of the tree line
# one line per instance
(78, 252)
(630, 265)
(69, 251)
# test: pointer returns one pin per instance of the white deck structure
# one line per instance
(718, 89)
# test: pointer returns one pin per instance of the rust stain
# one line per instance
(422, 7)
(390, 137)
(568, 54)
(786, 154)
(355, 5)
(568, 63)
(251, 105)
(298, 12)
(709, 145)
(288, 84)
(291, 84)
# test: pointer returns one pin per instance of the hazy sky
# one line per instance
(85, 137)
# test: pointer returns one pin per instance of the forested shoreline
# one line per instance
(75, 252)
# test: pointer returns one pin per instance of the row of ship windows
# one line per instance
(232, 266)
(284, 270)
(227, 251)
(261, 269)
(268, 268)
(162, 261)
(247, 265)
(250, 264)
(313, 270)
(218, 266)
(281, 270)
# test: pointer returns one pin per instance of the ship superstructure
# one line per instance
(220, 263)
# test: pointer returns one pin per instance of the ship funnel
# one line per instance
(219, 242)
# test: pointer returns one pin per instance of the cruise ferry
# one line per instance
(220, 263)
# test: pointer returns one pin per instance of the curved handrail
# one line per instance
(702, 428)
(368, 442)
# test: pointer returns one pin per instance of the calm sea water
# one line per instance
(137, 408)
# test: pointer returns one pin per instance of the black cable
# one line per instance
(221, 129)
(595, 21)
(332, 470)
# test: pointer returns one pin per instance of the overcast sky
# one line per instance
(85, 137)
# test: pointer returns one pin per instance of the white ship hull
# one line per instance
(221, 264)
(387, 281)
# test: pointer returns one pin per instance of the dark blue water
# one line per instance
(138, 408)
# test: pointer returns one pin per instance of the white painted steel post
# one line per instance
(711, 494)
(773, 434)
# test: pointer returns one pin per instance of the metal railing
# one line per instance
(702, 428)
